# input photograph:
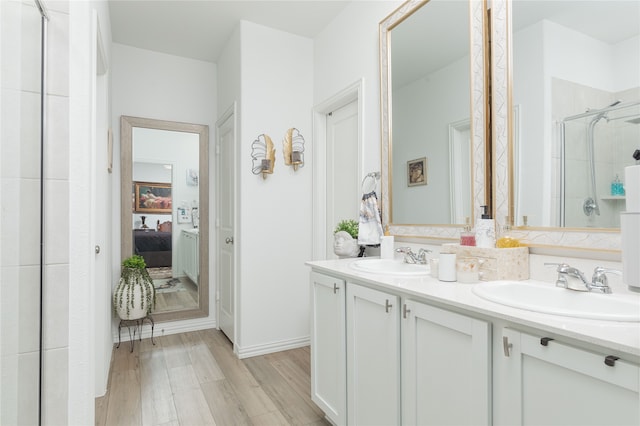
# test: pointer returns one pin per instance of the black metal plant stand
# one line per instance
(137, 327)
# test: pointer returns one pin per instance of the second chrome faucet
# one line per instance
(599, 281)
(419, 258)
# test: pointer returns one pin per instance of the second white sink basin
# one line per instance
(389, 267)
(545, 298)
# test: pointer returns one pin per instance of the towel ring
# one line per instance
(369, 183)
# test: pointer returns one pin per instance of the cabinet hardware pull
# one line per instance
(506, 346)
(611, 360)
(545, 341)
(405, 311)
(387, 305)
(335, 288)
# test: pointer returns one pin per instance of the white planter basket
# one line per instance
(134, 299)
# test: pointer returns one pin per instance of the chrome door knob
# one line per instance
(229, 240)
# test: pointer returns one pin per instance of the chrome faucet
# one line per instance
(598, 282)
(419, 258)
(564, 272)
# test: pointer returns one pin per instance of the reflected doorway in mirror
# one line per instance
(417, 172)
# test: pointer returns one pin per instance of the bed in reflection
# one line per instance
(154, 247)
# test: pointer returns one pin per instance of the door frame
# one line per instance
(101, 236)
(353, 92)
(230, 113)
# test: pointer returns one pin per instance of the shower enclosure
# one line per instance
(596, 146)
(23, 29)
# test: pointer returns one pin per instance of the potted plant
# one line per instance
(134, 297)
(345, 238)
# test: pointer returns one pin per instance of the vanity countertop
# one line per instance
(614, 335)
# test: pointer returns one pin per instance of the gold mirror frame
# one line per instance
(597, 240)
(480, 131)
(126, 157)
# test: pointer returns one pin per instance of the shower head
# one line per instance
(604, 111)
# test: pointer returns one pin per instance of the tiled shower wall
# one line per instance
(20, 214)
(614, 143)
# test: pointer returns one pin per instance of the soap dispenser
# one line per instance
(486, 230)
(467, 237)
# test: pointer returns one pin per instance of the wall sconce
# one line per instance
(264, 156)
(293, 148)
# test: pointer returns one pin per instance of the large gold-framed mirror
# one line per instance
(573, 97)
(165, 210)
(433, 112)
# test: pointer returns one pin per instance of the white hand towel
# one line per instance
(370, 226)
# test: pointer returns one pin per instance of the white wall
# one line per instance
(422, 111)
(274, 239)
(229, 74)
(347, 50)
(529, 96)
(163, 87)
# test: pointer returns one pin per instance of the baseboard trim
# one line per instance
(251, 351)
(166, 328)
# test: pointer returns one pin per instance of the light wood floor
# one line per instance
(178, 300)
(195, 379)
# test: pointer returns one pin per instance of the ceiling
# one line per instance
(200, 29)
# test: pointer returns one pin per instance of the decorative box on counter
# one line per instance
(495, 263)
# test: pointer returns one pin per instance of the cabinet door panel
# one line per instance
(558, 384)
(328, 346)
(373, 357)
(445, 367)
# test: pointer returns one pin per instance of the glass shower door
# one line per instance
(21, 29)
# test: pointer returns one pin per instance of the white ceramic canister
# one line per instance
(447, 267)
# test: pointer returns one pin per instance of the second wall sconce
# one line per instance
(293, 148)
(264, 156)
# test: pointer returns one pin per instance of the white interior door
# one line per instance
(343, 181)
(225, 146)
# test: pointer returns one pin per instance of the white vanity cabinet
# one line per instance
(328, 346)
(190, 243)
(373, 356)
(446, 367)
(366, 342)
(541, 381)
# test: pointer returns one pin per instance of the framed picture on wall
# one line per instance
(417, 172)
(152, 197)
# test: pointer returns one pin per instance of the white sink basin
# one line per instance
(389, 267)
(545, 298)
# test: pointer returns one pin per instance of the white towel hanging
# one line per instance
(370, 225)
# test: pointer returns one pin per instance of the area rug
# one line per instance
(168, 285)
(159, 273)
